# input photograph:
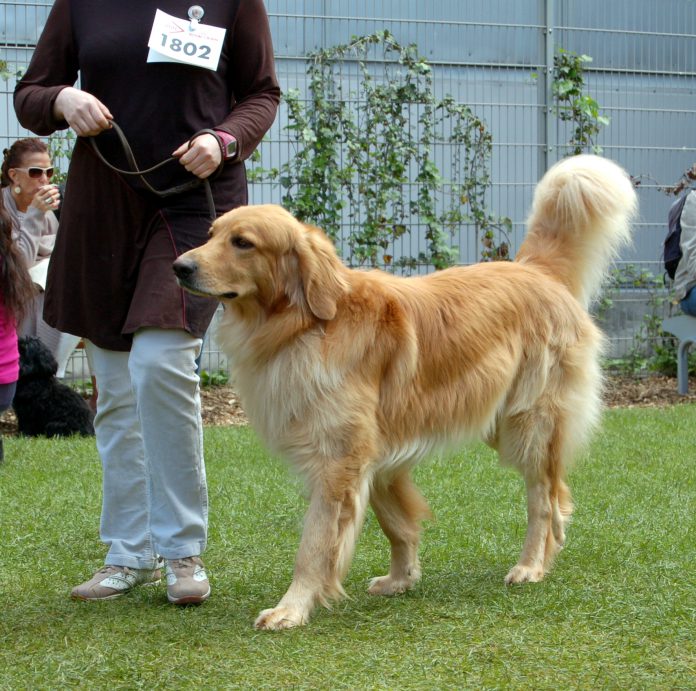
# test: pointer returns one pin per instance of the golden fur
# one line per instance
(355, 376)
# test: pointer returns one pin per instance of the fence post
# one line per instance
(546, 90)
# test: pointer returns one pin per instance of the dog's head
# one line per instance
(262, 256)
(35, 359)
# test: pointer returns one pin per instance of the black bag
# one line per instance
(672, 251)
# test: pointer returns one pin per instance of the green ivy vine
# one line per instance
(60, 148)
(572, 104)
(367, 158)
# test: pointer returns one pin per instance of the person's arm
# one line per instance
(44, 99)
(48, 236)
(256, 95)
(27, 235)
(53, 68)
(253, 79)
(687, 240)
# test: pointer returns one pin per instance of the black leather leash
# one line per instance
(135, 170)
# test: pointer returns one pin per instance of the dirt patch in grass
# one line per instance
(220, 404)
(649, 391)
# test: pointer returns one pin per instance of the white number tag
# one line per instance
(177, 40)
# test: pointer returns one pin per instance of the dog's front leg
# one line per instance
(331, 527)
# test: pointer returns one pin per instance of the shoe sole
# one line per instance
(189, 599)
(84, 598)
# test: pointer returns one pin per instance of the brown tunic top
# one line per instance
(110, 271)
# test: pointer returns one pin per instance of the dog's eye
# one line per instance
(241, 243)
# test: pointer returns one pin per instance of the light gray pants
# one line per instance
(150, 439)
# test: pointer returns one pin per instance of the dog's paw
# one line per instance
(278, 618)
(386, 585)
(524, 574)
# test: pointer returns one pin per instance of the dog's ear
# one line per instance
(322, 273)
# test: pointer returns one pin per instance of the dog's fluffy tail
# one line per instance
(581, 216)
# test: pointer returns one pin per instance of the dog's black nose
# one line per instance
(184, 268)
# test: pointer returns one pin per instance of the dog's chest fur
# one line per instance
(282, 395)
(308, 409)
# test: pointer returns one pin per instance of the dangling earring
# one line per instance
(17, 189)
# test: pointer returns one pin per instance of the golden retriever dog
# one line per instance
(355, 376)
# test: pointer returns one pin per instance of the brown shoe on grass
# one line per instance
(187, 581)
(112, 581)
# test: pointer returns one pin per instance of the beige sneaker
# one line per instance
(187, 581)
(113, 581)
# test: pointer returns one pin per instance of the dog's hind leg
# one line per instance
(539, 538)
(399, 508)
(332, 523)
(533, 442)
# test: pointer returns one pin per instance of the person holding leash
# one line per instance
(159, 80)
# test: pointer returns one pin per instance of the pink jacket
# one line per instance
(9, 355)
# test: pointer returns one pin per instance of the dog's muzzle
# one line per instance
(186, 271)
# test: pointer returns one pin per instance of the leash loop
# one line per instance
(135, 170)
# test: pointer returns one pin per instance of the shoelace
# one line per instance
(181, 563)
(110, 568)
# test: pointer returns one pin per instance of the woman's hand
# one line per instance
(47, 198)
(85, 113)
(202, 158)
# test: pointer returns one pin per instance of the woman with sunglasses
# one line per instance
(16, 292)
(31, 199)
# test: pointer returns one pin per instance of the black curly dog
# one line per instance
(44, 405)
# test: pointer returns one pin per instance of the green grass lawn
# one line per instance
(617, 612)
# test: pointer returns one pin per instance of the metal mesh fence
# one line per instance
(497, 57)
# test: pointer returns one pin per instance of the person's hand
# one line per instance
(202, 158)
(85, 113)
(47, 198)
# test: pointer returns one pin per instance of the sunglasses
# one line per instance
(36, 172)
